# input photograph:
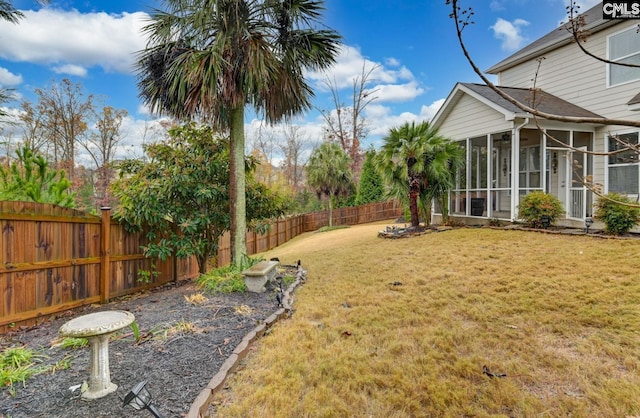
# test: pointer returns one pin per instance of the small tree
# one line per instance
(370, 188)
(31, 179)
(418, 165)
(182, 194)
(328, 173)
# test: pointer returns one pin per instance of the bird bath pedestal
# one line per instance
(98, 327)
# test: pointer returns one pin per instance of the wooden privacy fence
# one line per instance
(283, 230)
(53, 259)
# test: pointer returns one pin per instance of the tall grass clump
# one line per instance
(17, 364)
(618, 213)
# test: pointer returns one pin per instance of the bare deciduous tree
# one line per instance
(65, 114)
(346, 124)
(292, 148)
(101, 145)
(32, 124)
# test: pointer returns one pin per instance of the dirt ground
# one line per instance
(185, 346)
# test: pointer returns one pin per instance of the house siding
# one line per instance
(570, 75)
(470, 118)
(578, 78)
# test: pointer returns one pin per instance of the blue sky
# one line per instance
(412, 43)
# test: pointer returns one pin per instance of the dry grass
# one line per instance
(558, 314)
(196, 299)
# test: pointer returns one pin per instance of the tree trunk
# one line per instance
(237, 186)
(330, 211)
(414, 192)
(202, 263)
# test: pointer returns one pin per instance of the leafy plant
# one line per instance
(30, 178)
(17, 365)
(147, 276)
(618, 213)
(538, 204)
(370, 187)
(136, 332)
(177, 194)
(228, 279)
(72, 343)
(495, 222)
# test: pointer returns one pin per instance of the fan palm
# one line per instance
(329, 172)
(10, 14)
(418, 165)
(208, 59)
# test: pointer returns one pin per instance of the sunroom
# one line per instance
(520, 156)
(489, 187)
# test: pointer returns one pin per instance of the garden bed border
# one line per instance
(202, 402)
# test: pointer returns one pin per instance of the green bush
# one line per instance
(537, 204)
(618, 213)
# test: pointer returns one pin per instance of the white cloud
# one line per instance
(398, 92)
(392, 62)
(428, 112)
(7, 78)
(349, 65)
(510, 33)
(393, 81)
(70, 69)
(57, 37)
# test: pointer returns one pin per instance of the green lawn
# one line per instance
(559, 315)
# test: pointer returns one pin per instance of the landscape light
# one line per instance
(587, 223)
(140, 398)
(545, 220)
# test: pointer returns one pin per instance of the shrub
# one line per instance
(618, 213)
(537, 204)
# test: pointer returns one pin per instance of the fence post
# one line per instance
(105, 254)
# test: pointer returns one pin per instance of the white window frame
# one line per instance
(623, 164)
(609, 39)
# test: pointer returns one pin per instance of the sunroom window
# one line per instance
(624, 47)
(624, 169)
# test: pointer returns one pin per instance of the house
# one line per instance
(510, 153)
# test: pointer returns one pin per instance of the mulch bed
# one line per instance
(177, 363)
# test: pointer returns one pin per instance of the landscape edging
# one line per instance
(203, 400)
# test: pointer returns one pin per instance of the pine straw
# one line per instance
(558, 314)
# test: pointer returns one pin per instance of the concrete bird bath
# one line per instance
(98, 327)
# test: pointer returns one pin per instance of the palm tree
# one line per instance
(329, 172)
(418, 165)
(208, 59)
(9, 13)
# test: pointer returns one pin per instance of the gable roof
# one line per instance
(554, 39)
(545, 102)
